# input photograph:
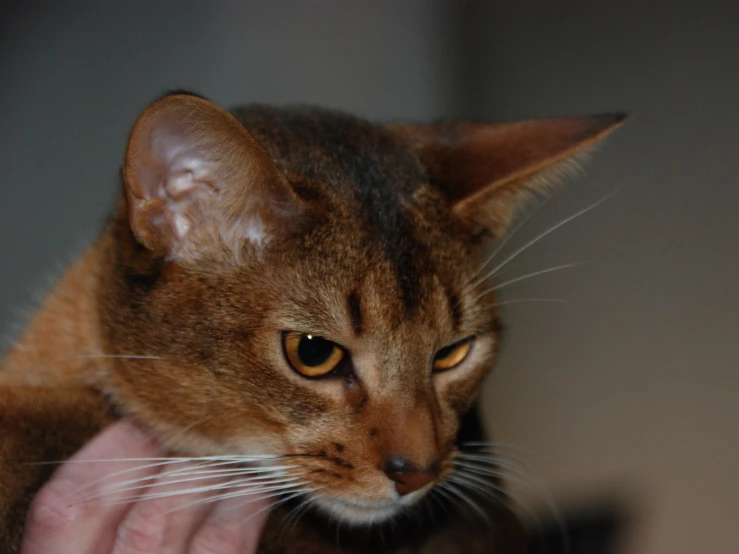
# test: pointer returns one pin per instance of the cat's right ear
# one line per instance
(487, 170)
(193, 176)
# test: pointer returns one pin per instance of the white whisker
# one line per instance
(504, 242)
(524, 277)
(525, 478)
(507, 467)
(293, 517)
(539, 237)
(122, 472)
(235, 489)
(455, 490)
(255, 481)
(206, 463)
(488, 471)
(527, 300)
(512, 464)
(495, 446)
(478, 484)
(253, 495)
(525, 506)
(445, 495)
(233, 459)
(112, 356)
(225, 496)
(438, 500)
(299, 493)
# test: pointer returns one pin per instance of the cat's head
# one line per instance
(313, 288)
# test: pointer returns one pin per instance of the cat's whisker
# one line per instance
(524, 277)
(234, 488)
(539, 237)
(306, 504)
(463, 477)
(491, 472)
(434, 495)
(455, 490)
(494, 457)
(509, 464)
(112, 356)
(471, 480)
(252, 496)
(445, 496)
(159, 462)
(481, 486)
(146, 485)
(136, 469)
(530, 300)
(182, 432)
(247, 489)
(232, 459)
(243, 490)
(178, 471)
(282, 501)
(206, 468)
(505, 241)
(523, 477)
(511, 470)
(496, 445)
(288, 518)
(254, 481)
(467, 471)
(293, 517)
(496, 453)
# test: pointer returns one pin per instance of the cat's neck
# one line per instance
(63, 337)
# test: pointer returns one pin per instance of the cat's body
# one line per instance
(311, 288)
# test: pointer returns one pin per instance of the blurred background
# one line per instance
(626, 395)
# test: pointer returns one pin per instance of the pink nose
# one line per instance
(407, 478)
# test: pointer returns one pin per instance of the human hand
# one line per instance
(77, 512)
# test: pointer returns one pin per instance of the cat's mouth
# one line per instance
(366, 513)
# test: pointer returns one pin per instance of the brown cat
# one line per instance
(296, 283)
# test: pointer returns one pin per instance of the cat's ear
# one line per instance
(486, 170)
(194, 176)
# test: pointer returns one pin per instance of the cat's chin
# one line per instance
(365, 513)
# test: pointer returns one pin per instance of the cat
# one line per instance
(301, 284)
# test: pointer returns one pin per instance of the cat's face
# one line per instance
(315, 296)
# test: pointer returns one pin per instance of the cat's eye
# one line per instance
(453, 355)
(311, 355)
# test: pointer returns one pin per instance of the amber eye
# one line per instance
(452, 355)
(311, 355)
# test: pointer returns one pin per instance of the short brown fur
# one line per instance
(267, 221)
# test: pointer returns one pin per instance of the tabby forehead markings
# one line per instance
(455, 308)
(354, 306)
(363, 163)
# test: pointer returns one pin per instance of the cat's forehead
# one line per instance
(347, 153)
(378, 186)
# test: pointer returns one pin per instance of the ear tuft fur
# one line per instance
(486, 170)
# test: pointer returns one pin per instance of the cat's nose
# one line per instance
(407, 477)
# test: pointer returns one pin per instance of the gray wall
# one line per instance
(632, 386)
(629, 389)
(75, 75)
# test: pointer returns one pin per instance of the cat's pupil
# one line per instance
(445, 352)
(314, 351)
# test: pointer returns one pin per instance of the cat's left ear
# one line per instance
(197, 181)
(486, 170)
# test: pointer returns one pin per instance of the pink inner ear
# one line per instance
(176, 172)
(195, 179)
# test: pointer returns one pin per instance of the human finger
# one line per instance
(68, 515)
